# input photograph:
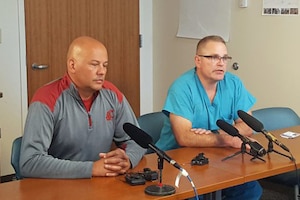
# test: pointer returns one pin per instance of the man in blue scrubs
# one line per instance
(201, 96)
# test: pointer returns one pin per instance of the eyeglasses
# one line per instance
(216, 58)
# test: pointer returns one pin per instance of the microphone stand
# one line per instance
(242, 151)
(160, 189)
(271, 149)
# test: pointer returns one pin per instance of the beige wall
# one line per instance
(171, 55)
(266, 48)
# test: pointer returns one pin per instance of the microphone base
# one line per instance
(243, 152)
(160, 190)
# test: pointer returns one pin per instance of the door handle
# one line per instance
(37, 66)
(1, 94)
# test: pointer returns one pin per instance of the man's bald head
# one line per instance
(82, 45)
(87, 62)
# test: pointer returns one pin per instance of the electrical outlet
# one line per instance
(243, 3)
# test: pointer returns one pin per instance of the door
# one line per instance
(52, 25)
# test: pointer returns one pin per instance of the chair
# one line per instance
(277, 118)
(152, 124)
(15, 156)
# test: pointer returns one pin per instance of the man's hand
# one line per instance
(112, 163)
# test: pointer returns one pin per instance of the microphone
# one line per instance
(145, 141)
(257, 126)
(256, 148)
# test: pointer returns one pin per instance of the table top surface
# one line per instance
(215, 175)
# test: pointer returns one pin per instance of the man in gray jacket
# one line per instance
(73, 121)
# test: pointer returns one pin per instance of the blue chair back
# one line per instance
(152, 124)
(15, 156)
(276, 117)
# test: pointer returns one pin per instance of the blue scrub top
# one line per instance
(187, 98)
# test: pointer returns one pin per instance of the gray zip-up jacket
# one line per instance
(61, 139)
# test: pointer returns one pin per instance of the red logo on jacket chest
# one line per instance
(109, 115)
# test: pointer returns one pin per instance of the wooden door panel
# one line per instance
(52, 25)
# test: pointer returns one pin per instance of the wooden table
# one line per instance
(216, 175)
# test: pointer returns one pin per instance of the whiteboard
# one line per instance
(199, 18)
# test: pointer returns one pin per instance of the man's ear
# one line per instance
(197, 59)
(71, 65)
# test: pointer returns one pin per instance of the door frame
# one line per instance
(23, 67)
(146, 59)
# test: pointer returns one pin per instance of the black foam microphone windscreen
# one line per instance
(251, 121)
(145, 141)
(138, 135)
(228, 128)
